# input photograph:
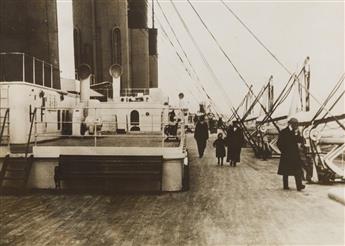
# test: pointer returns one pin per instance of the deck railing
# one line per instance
(17, 66)
(103, 124)
(30, 132)
(128, 92)
(134, 93)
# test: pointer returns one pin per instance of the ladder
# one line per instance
(4, 116)
(14, 174)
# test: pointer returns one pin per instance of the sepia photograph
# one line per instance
(172, 122)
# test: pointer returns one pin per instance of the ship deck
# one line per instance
(224, 206)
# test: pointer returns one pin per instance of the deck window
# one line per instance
(134, 118)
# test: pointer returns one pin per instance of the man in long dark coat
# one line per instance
(290, 161)
(201, 135)
(234, 140)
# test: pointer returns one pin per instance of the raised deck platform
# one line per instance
(46, 156)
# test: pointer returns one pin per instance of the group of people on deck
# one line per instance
(290, 162)
(233, 141)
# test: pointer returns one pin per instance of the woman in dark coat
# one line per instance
(201, 135)
(220, 123)
(234, 142)
(290, 161)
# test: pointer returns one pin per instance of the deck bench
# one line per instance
(88, 167)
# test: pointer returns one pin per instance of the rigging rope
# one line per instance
(335, 103)
(331, 94)
(212, 73)
(256, 38)
(277, 60)
(200, 52)
(198, 48)
(186, 68)
(187, 58)
(281, 98)
(177, 54)
(175, 35)
(254, 102)
(240, 105)
(228, 58)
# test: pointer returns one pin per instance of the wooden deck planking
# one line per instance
(225, 206)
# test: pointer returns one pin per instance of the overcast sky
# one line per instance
(292, 30)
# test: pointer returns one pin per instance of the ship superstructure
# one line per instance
(123, 115)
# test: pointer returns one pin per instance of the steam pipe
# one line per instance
(85, 89)
(84, 72)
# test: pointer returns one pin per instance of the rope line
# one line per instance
(211, 72)
(230, 61)
(177, 54)
(255, 37)
(330, 95)
(188, 60)
(274, 56)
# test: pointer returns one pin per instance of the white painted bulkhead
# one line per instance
(23, 98)
(151, 116)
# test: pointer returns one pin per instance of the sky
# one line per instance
(292, 30)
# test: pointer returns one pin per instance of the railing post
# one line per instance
(116, 123)
(51, 76)
(127, 123)
(151, 123)
(35, 119)
(23, 67)
(8, 129)
(183, 134)
(95, 134)
(162, 133)
(30, 132)
(95, 128)
(34, 70)
(43, 82)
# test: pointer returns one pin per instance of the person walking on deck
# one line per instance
(219, 144)
(220, 125)
(307, 163)
(234, 141)
(290, 161)
(201, 135)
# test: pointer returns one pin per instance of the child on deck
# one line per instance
(219, 144)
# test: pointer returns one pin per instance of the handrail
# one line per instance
(33, 70)
(3, 124)
(29, 137)
(107, 123)
(21, 53)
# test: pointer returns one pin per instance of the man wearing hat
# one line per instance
(290, 161)
(235, 141)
